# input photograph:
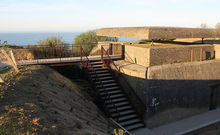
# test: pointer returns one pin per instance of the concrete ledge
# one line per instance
(217, 52)
(159, 32)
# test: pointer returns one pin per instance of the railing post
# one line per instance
(81, 54)
(201, 54)
(110, 49)
(102, 53)
(192, 55)
(123, 51)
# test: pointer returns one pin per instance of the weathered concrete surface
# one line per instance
(160, 55)
(217, 52)
(173, 85)
(158, 32)
(177, 54)
(190, 124)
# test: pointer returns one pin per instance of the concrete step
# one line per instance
(106, 85)
(130, 122)
(122, 108)
(122, 113)
(115, 100)
(108, 89)
(111, 92)
(127, 117)
(101, 75)
(118, 104)
(134, 126)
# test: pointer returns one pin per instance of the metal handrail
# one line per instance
(116, 123)
(105, 91)
(117, 69)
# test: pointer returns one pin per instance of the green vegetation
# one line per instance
(51, 42)
(89, 39)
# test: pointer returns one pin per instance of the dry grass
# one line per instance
(38, 100)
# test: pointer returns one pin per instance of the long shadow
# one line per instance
(159, 95)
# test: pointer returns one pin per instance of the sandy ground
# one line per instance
(39, 100)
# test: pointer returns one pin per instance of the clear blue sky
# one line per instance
(82, 15)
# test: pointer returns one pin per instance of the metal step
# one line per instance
(135, 126)
(122, 113)
(115, 96)
(118, 104)
(127, 117)
(102, 68)
(109, 89)
(106, 85)
(97, 66)
(101, 75)
(102, 78)
(130, 122)
(116, 100)
(127, 107)
(97, 63)
(98, 72)
(111, 92)
(106, 81)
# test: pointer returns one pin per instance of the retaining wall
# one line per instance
(174, 85)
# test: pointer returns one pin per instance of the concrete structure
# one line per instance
(160, 54)
(217, 52)
(173, 85)
(159, 32)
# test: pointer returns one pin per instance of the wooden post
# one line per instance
(1, 80)
(13, 58)
(123, 51)
(10, 60)
(201, 54)
(192, 55)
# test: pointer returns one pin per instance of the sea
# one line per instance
(23, 39)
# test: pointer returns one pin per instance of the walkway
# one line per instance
(64, 60)
(183, 126)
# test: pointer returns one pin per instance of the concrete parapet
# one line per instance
(159, 32)
(217, 52)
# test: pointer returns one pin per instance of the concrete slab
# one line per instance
(143, 131)
(190, 124)
(159, 32)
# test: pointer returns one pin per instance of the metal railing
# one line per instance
(87, 64)
(108, 61)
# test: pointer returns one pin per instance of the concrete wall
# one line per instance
(176, 54)
(217, 51)
(138, 55)
(174, 85)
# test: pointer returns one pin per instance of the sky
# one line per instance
(83, 15)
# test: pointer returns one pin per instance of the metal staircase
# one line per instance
(114, 99)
